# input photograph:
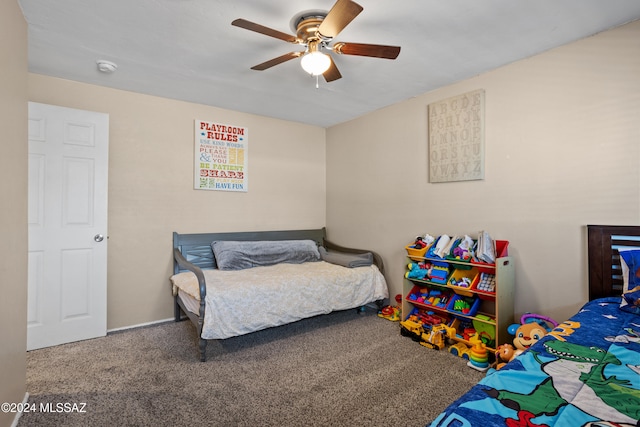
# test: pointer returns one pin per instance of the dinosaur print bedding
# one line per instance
(586, 372)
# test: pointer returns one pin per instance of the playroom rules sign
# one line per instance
(456, 138)
(221, 154)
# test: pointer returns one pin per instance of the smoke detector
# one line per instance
(106, 66)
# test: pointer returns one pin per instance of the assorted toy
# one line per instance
(436, 337)
(439, 274)
(478, 355)
(419, 243)
(418, 270)
(392, 313)
(487, 282)
(531, 328)
(504, 354)
(459, 349)
(435, 297)
(449, 276)
(419, 247)
(435, 331)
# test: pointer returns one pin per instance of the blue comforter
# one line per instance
(586, 372)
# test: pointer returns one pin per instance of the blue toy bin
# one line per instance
(473, 301)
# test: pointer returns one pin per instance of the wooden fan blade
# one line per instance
(363, 49)
(340, 15)
(332, 73)
(275, 61)
(252, 26)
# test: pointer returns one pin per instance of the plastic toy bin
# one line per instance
(472, 302)
(416, 254)
(457, 277)
(502, 250)
(438, 298)
(481, 291)
(452, 257)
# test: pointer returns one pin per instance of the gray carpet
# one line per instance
(339, 369)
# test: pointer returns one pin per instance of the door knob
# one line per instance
(98, 237)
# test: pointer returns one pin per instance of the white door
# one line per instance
(67, 278)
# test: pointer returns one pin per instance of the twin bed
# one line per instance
(586, 372)
(231, 284)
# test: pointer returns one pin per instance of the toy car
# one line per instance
(460, 349)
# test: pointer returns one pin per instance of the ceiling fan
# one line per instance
(315, 31)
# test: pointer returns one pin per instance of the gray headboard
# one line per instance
(196, 248)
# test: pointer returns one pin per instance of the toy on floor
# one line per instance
(532, 327)
(437, 337)
(391, 313)
(459, 349)
(411, 327)
(478, 355)
(505, 354)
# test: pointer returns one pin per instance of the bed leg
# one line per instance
(203, 350)
(176, 309)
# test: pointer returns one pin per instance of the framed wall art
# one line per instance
(221, 157)
(456, 138)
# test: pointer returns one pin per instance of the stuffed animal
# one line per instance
(505, 354)
(420, 270)
(532, 327)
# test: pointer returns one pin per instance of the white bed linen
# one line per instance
(190, 303)
(244, 301)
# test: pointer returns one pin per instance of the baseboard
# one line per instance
(19, 413)
(140, 325)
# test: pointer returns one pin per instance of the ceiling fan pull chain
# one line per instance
(317, 86)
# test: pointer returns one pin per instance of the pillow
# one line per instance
(346, 259)
(631, 301)
(236, 255)
(630, 263)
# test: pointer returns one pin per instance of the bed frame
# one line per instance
(605, 273)
(192, 252)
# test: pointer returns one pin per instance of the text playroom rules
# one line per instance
(221, 157)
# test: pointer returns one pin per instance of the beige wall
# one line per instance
(13, 214)
(151, 186)
(562, 150)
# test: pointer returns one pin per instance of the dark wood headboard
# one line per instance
(605, 273)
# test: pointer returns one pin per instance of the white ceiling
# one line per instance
(188, 49)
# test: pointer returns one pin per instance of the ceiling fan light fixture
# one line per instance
(315, 63)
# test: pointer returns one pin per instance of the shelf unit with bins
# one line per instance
(493, 308)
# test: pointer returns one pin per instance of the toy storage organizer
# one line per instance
(471, 296)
